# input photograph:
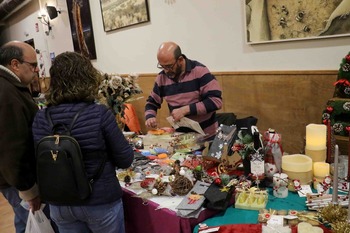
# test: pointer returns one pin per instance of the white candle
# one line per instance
(280, 183)
(335, 175)
(321, 169)
(316, 137)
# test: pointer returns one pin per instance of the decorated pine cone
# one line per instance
(343, 81)
(181, 185)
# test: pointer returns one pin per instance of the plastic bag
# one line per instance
(38, 223)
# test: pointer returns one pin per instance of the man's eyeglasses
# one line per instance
(167, 67)
(34, 65)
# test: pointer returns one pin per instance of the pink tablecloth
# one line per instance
(141, 218)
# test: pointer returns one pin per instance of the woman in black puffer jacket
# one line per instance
(73, 86)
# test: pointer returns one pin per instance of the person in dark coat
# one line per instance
(74, 86)
(18, 67)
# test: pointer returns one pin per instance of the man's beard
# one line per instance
(175, 75)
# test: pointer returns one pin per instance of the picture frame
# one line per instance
(81, 28)
(269, 21)
(117, 14)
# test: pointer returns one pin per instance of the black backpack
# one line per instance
(61, 175)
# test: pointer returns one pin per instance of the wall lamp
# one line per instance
(45, 19)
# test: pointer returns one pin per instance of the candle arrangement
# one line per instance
(316, 142)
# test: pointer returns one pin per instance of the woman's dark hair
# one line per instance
(73, 79)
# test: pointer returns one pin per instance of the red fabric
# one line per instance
(239, 228)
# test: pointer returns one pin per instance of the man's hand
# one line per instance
(35, 204)
(179, 113)
(151, 122)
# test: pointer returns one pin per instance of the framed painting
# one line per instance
(276, 21)
(118, 14)
(81, 27)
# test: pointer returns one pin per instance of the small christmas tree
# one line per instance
(342, 85)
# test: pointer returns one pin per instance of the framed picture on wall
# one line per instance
(81, 27)
(118, 14)
(277, 21)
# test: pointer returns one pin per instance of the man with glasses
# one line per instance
(189, 89)
(18, 67)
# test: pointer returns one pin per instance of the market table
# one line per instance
(150, 217)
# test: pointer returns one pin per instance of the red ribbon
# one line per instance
(343, 82)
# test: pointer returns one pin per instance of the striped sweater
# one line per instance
(197, 88)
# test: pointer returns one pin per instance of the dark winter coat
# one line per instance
(95, 130)
(17, 158)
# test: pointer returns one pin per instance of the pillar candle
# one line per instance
(321, 169)
(316, 136)
(335, 176)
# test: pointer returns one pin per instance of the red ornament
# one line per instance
(325, 121)
(217, 181)
(347, 128)
(347, 57)
(330, 109)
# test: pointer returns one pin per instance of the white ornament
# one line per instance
(182, 172)
(154, 191)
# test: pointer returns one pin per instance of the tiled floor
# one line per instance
(6, 216)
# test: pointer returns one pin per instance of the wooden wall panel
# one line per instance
(284, 100)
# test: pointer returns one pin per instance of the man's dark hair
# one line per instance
(177, 52)
(9, 52)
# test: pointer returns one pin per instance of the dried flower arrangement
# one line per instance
(116, 90)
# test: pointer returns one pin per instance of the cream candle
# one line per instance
(321, 169)
(316, 137)
(297, 167)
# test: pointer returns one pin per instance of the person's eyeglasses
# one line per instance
(32, 64)
(167, 67)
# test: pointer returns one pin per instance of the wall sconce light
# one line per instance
(45, 19)
(52, 12)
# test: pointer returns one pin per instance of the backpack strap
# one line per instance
(99, 170)
(54, 127)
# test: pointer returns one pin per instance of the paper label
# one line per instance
(275, 220)
(305, 189)
(257, 167)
